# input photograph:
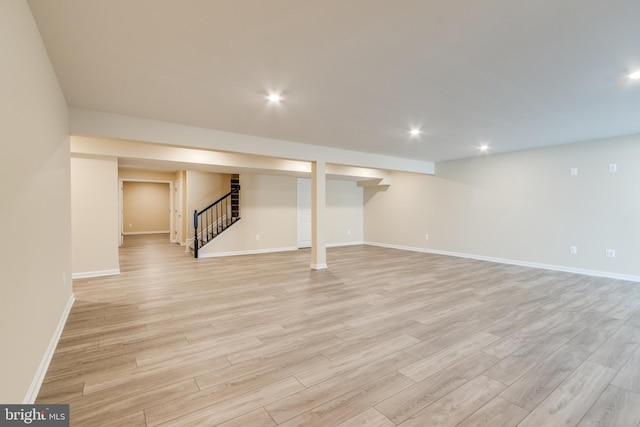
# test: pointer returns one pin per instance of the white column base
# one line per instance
(319, 266)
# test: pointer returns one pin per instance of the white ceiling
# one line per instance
(357, 74)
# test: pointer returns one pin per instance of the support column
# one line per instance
(318, 205)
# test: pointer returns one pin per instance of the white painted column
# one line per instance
(318, 205)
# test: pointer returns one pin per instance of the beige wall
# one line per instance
(146, 207)
(344, 212)
(94, 216)
(522, 206)
(268, 208)
(126, 173)
(202, 190)
(35, 208)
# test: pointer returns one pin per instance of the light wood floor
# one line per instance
(382, 338)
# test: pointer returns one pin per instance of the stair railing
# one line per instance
(214, 219)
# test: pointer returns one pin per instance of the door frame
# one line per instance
(177, 200)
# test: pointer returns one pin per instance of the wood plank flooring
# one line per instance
(382, 338)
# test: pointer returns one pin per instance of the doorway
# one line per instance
(145, 207)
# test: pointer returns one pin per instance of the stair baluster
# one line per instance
(214, 219)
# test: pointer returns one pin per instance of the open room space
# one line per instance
(320, 213)
(385, 337)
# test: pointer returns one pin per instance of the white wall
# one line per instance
(268, 208)
(94, 216)
(522, 206)
(35, 208)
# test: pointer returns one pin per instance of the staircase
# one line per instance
(211, 221)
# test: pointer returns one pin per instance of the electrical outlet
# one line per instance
(426, 237)
(613, 168)
(349, 232)
(610, 253)
(257, 237)
(573, 250)
(574, 171)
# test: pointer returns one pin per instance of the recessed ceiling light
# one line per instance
(634, 76)
(274, 97)
(484, 147)
(415, 132)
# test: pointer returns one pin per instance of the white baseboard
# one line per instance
(282, 249)
(134, 233)
(88, 274)
(595, 273)
(249, 252)
(319, 266)
(336, 245)
(34, 389)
